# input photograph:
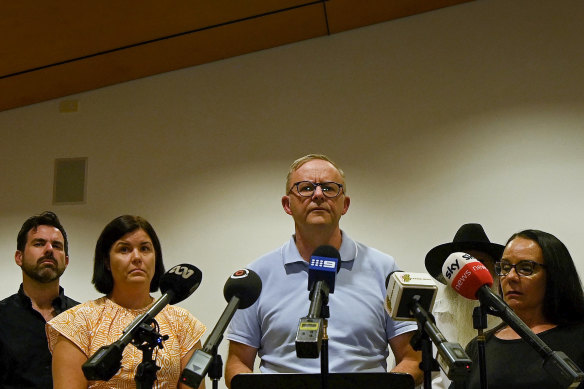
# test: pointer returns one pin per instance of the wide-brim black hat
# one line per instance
(470, 236)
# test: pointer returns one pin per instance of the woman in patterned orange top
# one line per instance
(127, 268)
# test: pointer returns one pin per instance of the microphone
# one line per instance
(472, 279)
(176, 285)
(322, 271)
(402, 287)
(411, 296)
(467, 275)
(241, 290)
(323, 266)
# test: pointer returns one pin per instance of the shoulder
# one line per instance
(471, 348)
(375, 258)
(491, 333)
(176, 311)
(182, 320)
(100, 303)
(10, 308)
(180, 316)
(69, 302)
(89, 309)
(575, 329)
(269, 256)
(266, 262)
(373, 253)
(8, 301)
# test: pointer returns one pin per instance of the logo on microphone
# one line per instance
(183, 271)
(322, 263)
(451, 269)
(461, 279)
(241, 273)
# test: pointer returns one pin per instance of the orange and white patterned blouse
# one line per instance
(101, 322)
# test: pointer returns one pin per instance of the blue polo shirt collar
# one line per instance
(348, 250)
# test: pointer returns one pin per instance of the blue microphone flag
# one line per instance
(323, 266)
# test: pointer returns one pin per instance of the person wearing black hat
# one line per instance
(453, 312)
(469, 237)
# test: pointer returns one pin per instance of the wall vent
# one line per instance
(69, 186)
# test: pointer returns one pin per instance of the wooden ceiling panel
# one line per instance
(348, 14)
(54, 49)
(37, 34)
(163, 56)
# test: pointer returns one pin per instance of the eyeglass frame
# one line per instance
(534, 264)
(316, 184)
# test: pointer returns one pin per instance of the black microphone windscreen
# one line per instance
(328, 252)
(182, 280)
(244, 284)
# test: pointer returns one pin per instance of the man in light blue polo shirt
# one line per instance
(359, 329)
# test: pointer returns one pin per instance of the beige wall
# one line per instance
(473, 113)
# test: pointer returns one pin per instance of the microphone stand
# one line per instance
(479, 322)
(451, 356)
(215, 369)
(421, 341)
(556, 363)
(147, 338)
(324, 367)
(313, 342)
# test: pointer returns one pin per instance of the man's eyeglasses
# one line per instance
(307, 188)
(522, 268)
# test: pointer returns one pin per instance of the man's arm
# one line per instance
(406, 358)
(240, 359)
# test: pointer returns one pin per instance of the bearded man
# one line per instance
(42, 253)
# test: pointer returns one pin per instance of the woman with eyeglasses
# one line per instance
(539, 281)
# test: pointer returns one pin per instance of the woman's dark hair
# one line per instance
(120, 226)
(564, 298)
